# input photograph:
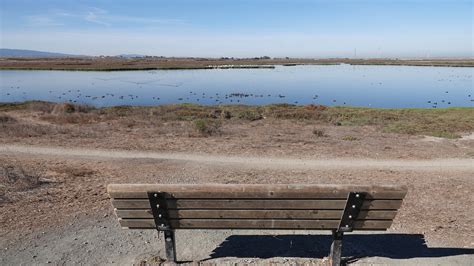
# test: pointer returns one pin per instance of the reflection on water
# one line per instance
(376, 86)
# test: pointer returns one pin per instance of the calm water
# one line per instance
(376, 86)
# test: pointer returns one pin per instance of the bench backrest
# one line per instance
(218, 206)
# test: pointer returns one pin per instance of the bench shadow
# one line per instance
(394, 246)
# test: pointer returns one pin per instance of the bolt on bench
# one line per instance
(340, 208)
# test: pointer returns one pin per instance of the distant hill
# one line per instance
(30, 53)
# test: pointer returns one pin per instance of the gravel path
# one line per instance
(93, 237)
(252, 162)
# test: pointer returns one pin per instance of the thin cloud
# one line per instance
(103, 17)
(96, 15)
(41, 21)
(149, 21)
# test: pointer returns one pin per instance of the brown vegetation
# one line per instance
(446, 123)
(13, 178)
(150, 63)
(207, 127)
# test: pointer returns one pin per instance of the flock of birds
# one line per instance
(79, 96)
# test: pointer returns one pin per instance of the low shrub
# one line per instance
(207, 127)
(349, 138)
(4, 119)
(15, 178)
(40, 106)
(288, 111)
(319, 133)
(67, 108)
(20, 130)
(250, 115)
(74, 118)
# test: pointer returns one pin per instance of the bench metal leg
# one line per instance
(159, 209)
(336, 248)
(170, 246)
(349, 216)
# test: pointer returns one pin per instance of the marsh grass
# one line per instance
(445, 123)
(121, 64)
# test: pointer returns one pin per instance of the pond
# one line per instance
(341, 85)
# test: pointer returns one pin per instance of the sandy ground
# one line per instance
(457, 164)
(54, 207)
(69, 220)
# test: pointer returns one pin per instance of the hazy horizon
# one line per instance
(303, 29)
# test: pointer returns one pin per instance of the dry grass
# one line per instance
(13, 178)
(28, 130)
(73, 118)
(74, 171)
(6, 119)
(250, 115)
(115, 63)
(67, 108)
(319, 133)
(447, 123)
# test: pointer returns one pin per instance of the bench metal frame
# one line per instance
(159, 209)
(351, 212)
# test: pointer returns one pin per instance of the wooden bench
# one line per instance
(340, 208)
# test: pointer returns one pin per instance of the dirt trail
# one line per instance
(83, 233)
(454, 164)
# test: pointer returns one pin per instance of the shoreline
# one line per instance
(143, 64)
(20, 104)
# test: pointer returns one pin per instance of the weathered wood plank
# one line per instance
(256, 214)
(307, 191)
(256, 204)
(255, 224)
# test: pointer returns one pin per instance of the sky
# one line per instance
(241, 28)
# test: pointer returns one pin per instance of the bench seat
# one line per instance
(339, 208)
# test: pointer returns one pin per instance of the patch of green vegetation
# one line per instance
(445, 123)
(28, 105)
(446, 135)
(207, 127)
(290, 111)
(12, 106)
(250, 115)
(349, 138)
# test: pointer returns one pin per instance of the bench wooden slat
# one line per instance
(256, 214)
(247, 206)
(255, 224)
(307, 191)
(256, 204)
